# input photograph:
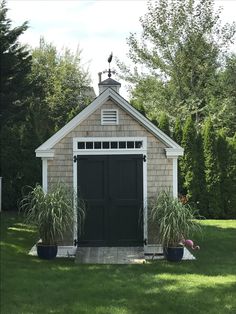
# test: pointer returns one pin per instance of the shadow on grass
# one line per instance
(31, 285)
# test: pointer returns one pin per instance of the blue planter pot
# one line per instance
(46, 251)
(173, 254)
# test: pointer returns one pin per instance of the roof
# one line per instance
(109, 82)
(46, 149)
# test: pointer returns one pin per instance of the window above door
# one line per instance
(116, 144)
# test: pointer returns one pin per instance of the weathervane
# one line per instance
(109, 71)
(109, 61)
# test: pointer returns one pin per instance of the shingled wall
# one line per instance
(159, 168)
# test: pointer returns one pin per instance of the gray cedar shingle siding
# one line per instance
(159, 168)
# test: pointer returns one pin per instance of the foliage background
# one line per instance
(41, 90)
(183, 79)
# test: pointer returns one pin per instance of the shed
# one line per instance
(116, 160)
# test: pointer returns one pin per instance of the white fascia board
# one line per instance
(74, 122)
(174, 152)
(45, 153)
(144, 121)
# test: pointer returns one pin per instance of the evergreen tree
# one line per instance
(11, 171)
(231, 202)
(223, 160)
(226, 153)
(211, 171)
(163, 123)
(177, 136)
(178, 132)
(188, 164)
(201, 194)
(15, 63)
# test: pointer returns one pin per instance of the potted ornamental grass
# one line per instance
(176, 222)
(52, 214)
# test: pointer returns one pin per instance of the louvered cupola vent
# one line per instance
(109, 116)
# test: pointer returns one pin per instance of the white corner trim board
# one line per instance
(45, 149)
(175, 177)
(45, 174)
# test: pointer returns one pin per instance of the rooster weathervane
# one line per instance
(109, 71)
(109, 61)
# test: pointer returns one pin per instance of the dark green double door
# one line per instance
(112, 188)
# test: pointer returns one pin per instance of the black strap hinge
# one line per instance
(144, 158)
(75, 242)
(75, 158)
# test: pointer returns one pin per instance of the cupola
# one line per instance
(109, 82)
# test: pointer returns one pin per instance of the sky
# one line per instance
(97, 27)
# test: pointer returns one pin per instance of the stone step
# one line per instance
(110, 255)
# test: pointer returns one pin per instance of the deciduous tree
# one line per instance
(181, 49)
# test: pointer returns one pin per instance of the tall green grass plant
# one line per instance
(175, 221)
(52, 213)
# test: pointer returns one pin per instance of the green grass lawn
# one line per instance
(31, 285)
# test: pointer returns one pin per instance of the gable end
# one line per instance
(173, 149)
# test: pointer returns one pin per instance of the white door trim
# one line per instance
(142, 151)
